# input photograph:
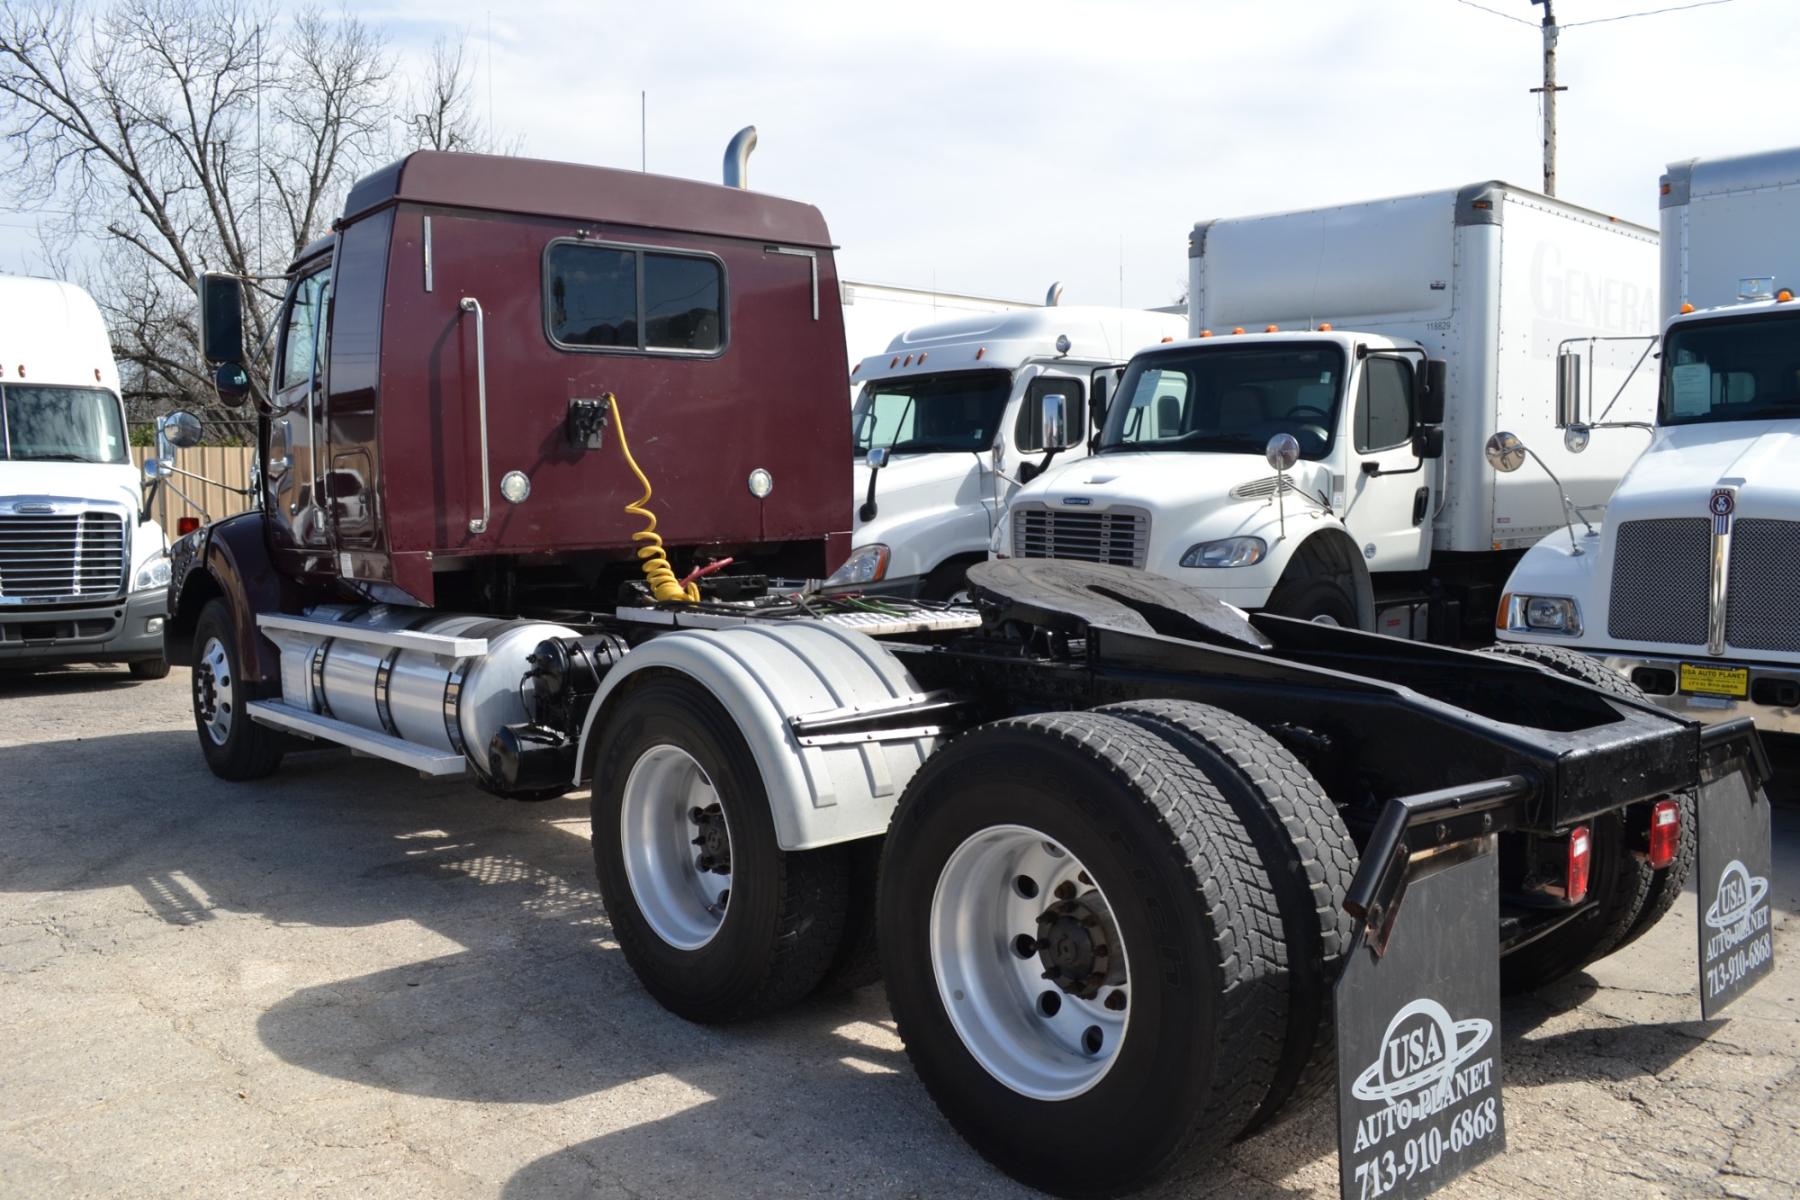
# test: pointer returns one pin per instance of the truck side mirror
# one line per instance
(1433, 384)
(1568, 389)
(232, 383)
(1056, 421)
(181, 429)
(1505, 452)
(221, 318)
(1428, 442)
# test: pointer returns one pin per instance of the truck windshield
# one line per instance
(1733, 369)
(922, 414)
(60, 424)
(1228, 398)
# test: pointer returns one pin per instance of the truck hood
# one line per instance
(106, 483)
(1675, 477)
(1184, 480)
(914, 482)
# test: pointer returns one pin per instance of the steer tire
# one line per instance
(1316, 588)
(1189, 899)
(248, 750)
(783, 924)
(1622, 884)
(149, 668)
(1309, 858)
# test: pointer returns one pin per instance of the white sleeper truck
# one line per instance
(1690, 586)
(949, 423)
(84, 574)
(1316, 448)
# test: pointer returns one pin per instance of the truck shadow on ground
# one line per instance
(16, 681)
(535, 1012)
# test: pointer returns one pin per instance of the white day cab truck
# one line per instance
(84, 573)
(1364, 352)
(949, 423)
(1691, 588)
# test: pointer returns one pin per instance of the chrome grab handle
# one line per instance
(471, 304)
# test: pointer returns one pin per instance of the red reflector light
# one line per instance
(1665, 832)
(1581, 847)
(186, 525)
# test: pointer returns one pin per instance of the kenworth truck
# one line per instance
(84, 572)
(1690, 586)
(1140, 873)
(1319, 332)
(949, 423)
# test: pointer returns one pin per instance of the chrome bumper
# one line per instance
(1712, 709)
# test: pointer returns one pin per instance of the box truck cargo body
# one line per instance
(1689, 588)
(1488, 279)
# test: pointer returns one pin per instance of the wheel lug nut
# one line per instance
(1065, 890)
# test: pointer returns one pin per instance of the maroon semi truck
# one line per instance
(1142, 857)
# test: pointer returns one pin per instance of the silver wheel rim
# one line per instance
(993, 892)
(1326, 619)
(671, 830)
(214, 702)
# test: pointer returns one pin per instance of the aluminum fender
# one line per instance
(1551, 568)
(819, 795)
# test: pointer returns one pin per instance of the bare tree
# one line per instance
(200, 135)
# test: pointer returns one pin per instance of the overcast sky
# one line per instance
(991, 147)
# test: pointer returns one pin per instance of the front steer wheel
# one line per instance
(1082, 951)
(236, 747)
(716, 919)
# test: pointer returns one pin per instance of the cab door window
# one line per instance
(1384, 416)
(303, 333)
(1028, 431)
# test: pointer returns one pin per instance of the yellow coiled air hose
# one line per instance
(651, 556)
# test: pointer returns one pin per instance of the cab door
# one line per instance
(1389, 492)
(296, 466)
(1027, 430)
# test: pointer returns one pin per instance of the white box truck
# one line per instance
(948, 424)
(1314, 334)
(1691, 587)
(84, 574)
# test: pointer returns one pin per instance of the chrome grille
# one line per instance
(49, 557)
(1662, 570)
(1117, 536)
(1764, 586)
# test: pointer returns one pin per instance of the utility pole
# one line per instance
(1548, 91)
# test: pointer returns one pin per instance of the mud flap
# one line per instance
(1418, 1031)
(1736, 854)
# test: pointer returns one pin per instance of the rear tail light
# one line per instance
(1581, 849)
(1665, 832)
(186, 525)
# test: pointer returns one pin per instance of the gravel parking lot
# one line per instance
(346, 980)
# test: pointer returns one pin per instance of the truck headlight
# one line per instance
(1543, 614)
(153, 574)
(1226, 552)
(866, 564)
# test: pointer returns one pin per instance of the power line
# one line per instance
(1653, 12)
(1508, 16)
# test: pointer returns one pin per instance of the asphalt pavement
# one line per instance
(345, 980)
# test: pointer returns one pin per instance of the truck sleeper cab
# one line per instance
(83, 572)
(954, 412)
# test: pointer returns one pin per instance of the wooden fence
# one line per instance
(228, 465)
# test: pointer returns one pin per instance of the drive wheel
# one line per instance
(236, 747)
(149, 668)
(1309, 857)
(1667, 882)
(1620, 882)
(718, 922)
(1082, 952)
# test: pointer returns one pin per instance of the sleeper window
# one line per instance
(600, 297)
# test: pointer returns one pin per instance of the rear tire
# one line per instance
(236, 747)
(149, 668)
(1125, 831)
(1308, 855)
(1622, 884)
(669, 748)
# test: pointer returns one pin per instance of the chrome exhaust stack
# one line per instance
(737, 157)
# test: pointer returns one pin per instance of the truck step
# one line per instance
(395, 639)
(424, 759)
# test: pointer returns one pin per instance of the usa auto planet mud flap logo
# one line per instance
(1736, 935)
(1419, 1040)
